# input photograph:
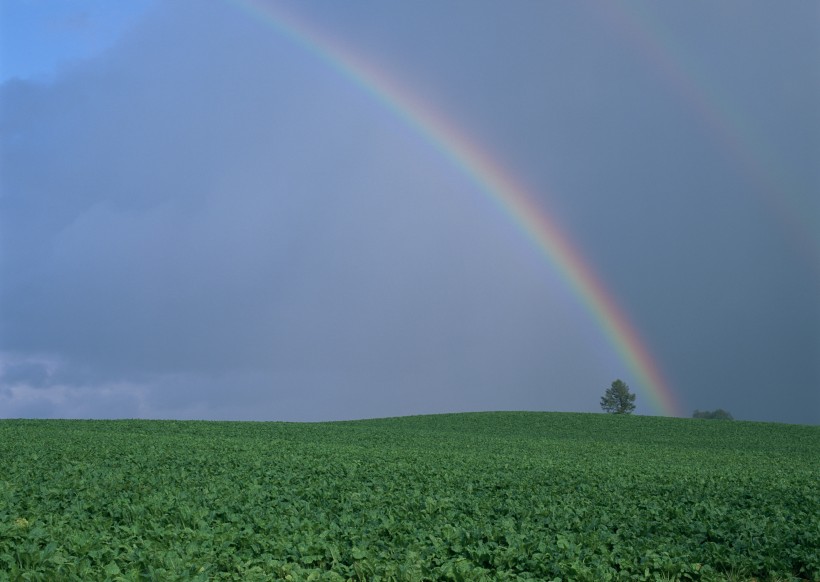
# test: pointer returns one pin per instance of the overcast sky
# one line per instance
(200, 218)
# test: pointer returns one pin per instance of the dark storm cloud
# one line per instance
(207, 221)
(239, 232)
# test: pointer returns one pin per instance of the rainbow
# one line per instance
(510, 197)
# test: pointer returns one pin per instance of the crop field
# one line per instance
(481, 496)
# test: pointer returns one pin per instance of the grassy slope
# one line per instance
(464, 496)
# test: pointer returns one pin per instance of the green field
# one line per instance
(492, 496)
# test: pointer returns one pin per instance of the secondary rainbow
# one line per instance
(760, 165)
(510, 197)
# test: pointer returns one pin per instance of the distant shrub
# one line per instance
(718, 414)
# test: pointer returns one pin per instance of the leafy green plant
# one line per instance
(486, 496)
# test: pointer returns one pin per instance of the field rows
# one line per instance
(495, 496)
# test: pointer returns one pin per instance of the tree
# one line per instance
(617, 399)
(718, 414)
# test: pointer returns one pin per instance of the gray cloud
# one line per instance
(207, 221)
(34, 374)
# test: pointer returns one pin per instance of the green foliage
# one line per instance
(718, 414)
(490, 496)
(618, 399)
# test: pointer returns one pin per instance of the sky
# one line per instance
(257, 210)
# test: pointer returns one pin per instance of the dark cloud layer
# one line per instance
(207, 221)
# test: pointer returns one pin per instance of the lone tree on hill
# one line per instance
(618, 399)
